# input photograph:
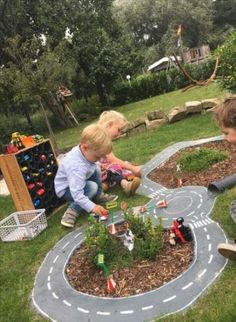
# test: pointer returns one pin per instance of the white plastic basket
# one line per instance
(23, 225)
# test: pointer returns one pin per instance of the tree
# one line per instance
(34, 72)
(224, 21)
(155, 22)
(227, 69)
(99, 46)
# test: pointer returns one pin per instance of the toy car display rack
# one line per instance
(29, 175)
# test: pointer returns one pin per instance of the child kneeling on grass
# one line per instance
(226, 119)
(78, 178)
(115, 170)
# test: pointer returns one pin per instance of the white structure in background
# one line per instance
(164, 63)
(43, 39)
(69, 35)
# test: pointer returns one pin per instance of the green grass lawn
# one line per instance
(20, 261)
(137, 110)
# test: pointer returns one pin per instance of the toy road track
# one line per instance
(56, 299)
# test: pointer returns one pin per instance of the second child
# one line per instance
(226, 119)
(115, 170)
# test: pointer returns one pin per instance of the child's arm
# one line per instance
(125, 165)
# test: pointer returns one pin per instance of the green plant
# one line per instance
(148, 242)
(148, 237)
(227, 69)
(98, 240)
(149, 85)
(201, 158)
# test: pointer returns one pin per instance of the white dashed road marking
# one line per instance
(187, 286)
(103, 313)
(55, 296)
(202, 273)
(147, 307)
(66, 303)
(82, 310)
(127, 312)
(169, 299)
(55, 259)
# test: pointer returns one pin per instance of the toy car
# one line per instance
(142, 210)
(111, 204)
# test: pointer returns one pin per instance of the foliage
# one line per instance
(109, 40)
(147, 244)
(227, 69)
(155, 22)
(152, 84)
(148, 238)
(201, 159)
(98, 240)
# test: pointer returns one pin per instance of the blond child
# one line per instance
(116, 170)
(226, 119)
(78, 178)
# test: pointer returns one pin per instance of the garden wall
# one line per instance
(157, 117)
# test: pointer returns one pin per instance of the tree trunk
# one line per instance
(102, 94)
(27, 115)
(52, 136)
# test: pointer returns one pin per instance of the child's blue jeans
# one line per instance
(92, 188)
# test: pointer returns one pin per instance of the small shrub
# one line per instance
(201, 159)
(147, 243)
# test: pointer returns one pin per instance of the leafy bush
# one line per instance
(84, 110)
(9, 125)
(147, 243)
(227, 68)
(149, 85)
(201, 159)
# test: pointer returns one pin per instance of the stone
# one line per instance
(155, 123)
(193, 107)
(210, 103)
(136, 130)
(158, 114)
(134, 124)
(211, 110)
(176, 114)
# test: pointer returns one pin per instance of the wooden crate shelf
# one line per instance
(29, 175)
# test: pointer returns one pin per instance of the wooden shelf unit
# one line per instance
(29, 175)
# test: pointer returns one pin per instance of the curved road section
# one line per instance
(57, 300)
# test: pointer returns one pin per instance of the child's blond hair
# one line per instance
(97, 138)
(226, 113)
(111, 116)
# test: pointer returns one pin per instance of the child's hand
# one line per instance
(99, 210)
(136, 169)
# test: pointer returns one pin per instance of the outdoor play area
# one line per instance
(148, 233)
(144, 290)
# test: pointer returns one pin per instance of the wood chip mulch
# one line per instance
(144, 276)
(165, 174)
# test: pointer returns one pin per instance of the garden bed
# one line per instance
(144, 276)
(166, 173)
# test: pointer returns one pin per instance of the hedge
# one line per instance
(149, 85)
